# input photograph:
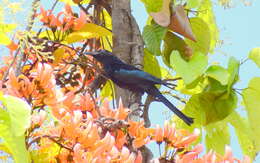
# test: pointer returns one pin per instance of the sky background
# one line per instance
(239, 29)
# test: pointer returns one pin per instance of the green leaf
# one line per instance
(254, 55)
(4, 39)
(89, 30)
(217, 137)
(172, 42)
(208, 107)
(251, 96)
(244, 134)
(203, 36)
(189, 70)
(19, 112)
(151, 64)
(107, 91)
(215, 87)
(193, 3)
(15, 144)
(207, 15)
(153, 35)
(233, 69)
(152, 5)
(5, 28)
(218, 73)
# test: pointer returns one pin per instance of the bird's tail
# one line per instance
(156, 93)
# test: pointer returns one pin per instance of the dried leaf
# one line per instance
(163, 16)
(180, 23)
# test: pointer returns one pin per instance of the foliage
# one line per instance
(48, 113)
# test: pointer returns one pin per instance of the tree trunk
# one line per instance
(128, 46)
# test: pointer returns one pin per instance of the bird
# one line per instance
(131, 78)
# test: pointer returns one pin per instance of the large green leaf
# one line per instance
(172, 42)
(189, 70)
(153, 35)
(19, 112)
(218, 73)
(254, 55)
(151, 64)
(152, 5)
(251, 97)
(217, 136)
(15, 144)
(202, 33)
(208, 107)
(207, 15)
(244, 134)
(14, 120)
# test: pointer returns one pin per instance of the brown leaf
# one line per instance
(162, 17)
(180, 23)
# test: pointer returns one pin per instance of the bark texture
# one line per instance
(128, 46)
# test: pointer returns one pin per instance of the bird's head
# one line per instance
(103, 56)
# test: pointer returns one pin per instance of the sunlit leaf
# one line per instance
(172, 42)
(19, 112)
(251, 96)
(89, 30)
(13, 136)
(254, 55)
(207, 15)
(75, 2)
(5, 149)
(189, 91)
(5, 28)
(4, 39)
(151, 64)
(193, 3)
(153, 6)
(58, 55)
(218, 73)
(108, 90)
(153, 35)
(189, 70)
(46, 154)
(217, 137)
(233, 68)
(202, 33)
(107, 41)
(162, 17)
(244, 134)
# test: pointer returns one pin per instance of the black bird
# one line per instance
(131, 78)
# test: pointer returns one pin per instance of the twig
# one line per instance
(174, 96)
(148, 101)
(28, 28)
(52, 138)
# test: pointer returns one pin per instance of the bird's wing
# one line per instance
(131, 75)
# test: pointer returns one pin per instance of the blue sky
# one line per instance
(240, 32)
